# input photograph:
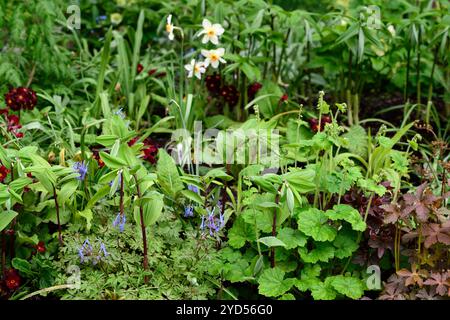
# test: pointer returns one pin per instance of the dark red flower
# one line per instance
(212, 83)
(230, 94)
(284, 98)
(150, 153)
(14, 125)
(10, 232)
(12, 279)
(152, 72)
(99, 160)
(139, 68)
(253, 90)
(3, 173)
(314, 123)
(21, 98)
(40, 247)
(133, 141)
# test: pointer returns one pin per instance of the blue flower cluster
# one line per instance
(120, 221)
(81, 169)
(213, 222)
(87, 252)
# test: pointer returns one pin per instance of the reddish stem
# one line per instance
(144, 234)
(57, 217)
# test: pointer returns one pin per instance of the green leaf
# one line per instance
(101, 193)
(272, 283)
(87, 214)
(313, 223)
(357, 138)
(349, 214)
(292, 238)
(308, 277)
(6, 217)
(323, 291)
(112, 162)
(241, 232)
(272, 242)
(193, 196)
(349, 286)
(67, 191)
(168, 177)
(22, 265)
(323, 251)
(345, 244)
(370, 185)
(262, 219)
(152, 210)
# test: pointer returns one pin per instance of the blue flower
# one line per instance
(120, 221)
(81, 169)
(212, 222)
(100, 18)
(85, 250)
(120, 113)
(188, 211)
(202, 225)
(119, 182)
(193, 188)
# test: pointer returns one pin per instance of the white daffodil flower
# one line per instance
(211, 32)
(170, 27)
(213, 57)
(195, 69)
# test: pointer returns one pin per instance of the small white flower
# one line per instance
(391, 29)
(213, 57)
(170, 27)
(211, 32)
(195, 69)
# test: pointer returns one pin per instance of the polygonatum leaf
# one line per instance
(272, 242)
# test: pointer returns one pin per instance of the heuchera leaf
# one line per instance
(292, 238)
(349, 286)
(323, 291)
(240, 233)
(313, 222)
(272, 282)
(345, 244)
(349, 214)
(308, 277)
(323, 251)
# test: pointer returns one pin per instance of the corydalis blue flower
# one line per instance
(188, 211)
(120, 113)
(120, 221)
(212, 222)
(81, 169)
(193, 188)
(87, 252)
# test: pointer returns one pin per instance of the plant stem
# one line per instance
(57, 216)
(408, 66)
(274, 228)
(3, 252)
(144, 233)
(121, 196)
